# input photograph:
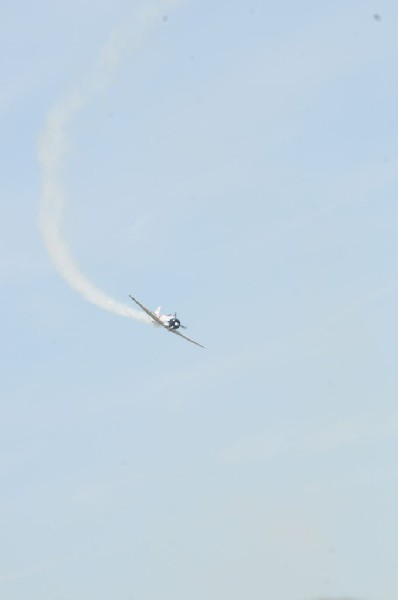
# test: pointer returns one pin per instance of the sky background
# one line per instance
(242, 169)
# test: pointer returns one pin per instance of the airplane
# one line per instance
(169, 322)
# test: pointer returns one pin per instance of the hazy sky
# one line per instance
(235, 161)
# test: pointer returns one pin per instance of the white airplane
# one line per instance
(169, 322)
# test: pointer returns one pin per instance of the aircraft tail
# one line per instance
(157, 311)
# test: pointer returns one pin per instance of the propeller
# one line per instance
(174, 323)
(180, 326)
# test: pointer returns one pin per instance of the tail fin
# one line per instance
(157, 311)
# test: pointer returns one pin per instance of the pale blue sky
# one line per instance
(241, 169)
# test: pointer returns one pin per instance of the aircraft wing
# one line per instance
(149, 312)
(185, 337)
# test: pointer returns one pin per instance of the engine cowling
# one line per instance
(174, 323)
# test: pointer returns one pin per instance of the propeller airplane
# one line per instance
(169, 322)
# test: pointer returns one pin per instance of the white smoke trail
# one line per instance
(53, 148)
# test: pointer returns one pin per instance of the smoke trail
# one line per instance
(53, 148)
